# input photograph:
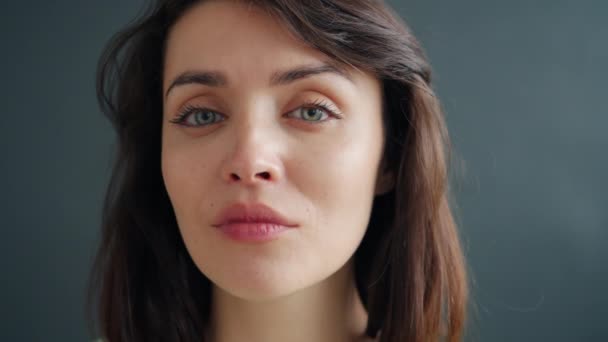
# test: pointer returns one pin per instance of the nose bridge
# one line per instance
(251, 123)
(249, 133)
(253, 156)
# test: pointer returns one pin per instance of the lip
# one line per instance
(251, 213)
(252, 222)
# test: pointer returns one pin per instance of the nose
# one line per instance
(247, 179)
(254, 158)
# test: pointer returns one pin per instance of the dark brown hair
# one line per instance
(409, 269)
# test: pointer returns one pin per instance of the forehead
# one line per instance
(237, 37)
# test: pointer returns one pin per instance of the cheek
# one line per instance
(339, 181)
(185, 172)
(188, 175)
(341, 168)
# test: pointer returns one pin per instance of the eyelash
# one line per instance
(317, 104)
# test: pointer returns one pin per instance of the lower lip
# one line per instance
(252, 232)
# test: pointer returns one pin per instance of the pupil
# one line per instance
(311, 112)
(204, 116)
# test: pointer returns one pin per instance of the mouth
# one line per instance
(252, 222)
(252, 231)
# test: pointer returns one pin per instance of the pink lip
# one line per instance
(254, 222)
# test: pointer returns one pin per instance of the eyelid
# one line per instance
(190, 109)
(322, 104)
(325, 105)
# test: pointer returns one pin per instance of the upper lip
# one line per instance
(251, 213)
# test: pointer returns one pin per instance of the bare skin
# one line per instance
(322, 175)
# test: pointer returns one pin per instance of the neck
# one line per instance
(328, 311)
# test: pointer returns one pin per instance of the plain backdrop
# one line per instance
(524, 87)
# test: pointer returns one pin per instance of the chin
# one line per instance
(260, 287)
(262, 279)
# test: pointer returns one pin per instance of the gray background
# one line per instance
(524, 87)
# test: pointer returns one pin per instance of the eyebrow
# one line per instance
(219, 79)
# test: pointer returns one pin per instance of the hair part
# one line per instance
(409, 269)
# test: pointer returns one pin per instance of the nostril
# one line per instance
(264, 175)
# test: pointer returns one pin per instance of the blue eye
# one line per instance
(197, 117)
(316, 109)
(313, 112)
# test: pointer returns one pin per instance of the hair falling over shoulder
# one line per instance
(410, 270)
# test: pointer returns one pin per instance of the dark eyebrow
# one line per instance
(218, 79)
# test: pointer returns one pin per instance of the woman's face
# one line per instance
(261, 140)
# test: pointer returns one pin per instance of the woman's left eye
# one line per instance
(315, 112)
(311, 114)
